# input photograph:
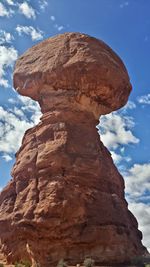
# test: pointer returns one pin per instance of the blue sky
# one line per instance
(123, 25)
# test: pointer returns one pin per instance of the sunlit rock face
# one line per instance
(74, 70)
(66, 197)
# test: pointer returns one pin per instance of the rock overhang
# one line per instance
(74, 67)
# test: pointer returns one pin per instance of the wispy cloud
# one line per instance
(145, 99)
(4, 12)
(7, 157)
(27, 10)
(117, 158)
(8, 56)
(55, 25)
(5, 37)
(10, 2)
(59, 27)
(124, 4)
(130, 105)
(52, 18)
(43, 4)
(35, 34)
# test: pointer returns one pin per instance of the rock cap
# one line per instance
(76, 65)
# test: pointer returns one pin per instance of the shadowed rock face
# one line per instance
(66, 198)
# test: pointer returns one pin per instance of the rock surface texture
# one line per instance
(66, 197)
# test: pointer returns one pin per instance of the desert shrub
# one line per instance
(88, 262)
(62, 263)
(23, 263)
(17, 264)
(26, 263)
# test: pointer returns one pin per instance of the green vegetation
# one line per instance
(88, 262)
(62, 263)
(24, 263)
(17, 264)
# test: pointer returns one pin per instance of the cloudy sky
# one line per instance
(123, 25)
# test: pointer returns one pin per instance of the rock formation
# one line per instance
(66, 197)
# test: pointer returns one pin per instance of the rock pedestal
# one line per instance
(66, 198)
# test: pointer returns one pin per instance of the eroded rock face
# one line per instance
(66, 198)
(79, 69)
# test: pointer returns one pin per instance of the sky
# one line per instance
(125, 27)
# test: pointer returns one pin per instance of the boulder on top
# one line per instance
(83, 69)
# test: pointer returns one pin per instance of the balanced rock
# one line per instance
(66, 198)
(79, 71)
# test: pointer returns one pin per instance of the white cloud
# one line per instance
(11, 131)
(43, 4)
(4, 83)
(12, 100)
(7, 157)
(122, 149)
(130, 105)
(14, 122)
(35, 34)
(124, 4)
(59, 27)
(53, 18)
(5, 37)
(128, 159)
(27, 10)
(137, 180)
(8, 56)
(10, 2)
(115, 130)
(145, 99)
(142, 213)
(32, 106)
(56, 26)
(3, 11)
(18, 112)
(116, 157)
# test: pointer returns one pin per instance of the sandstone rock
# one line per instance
(66, 198)
(76, 68)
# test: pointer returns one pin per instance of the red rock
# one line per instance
(66, 198)
(76, 68)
